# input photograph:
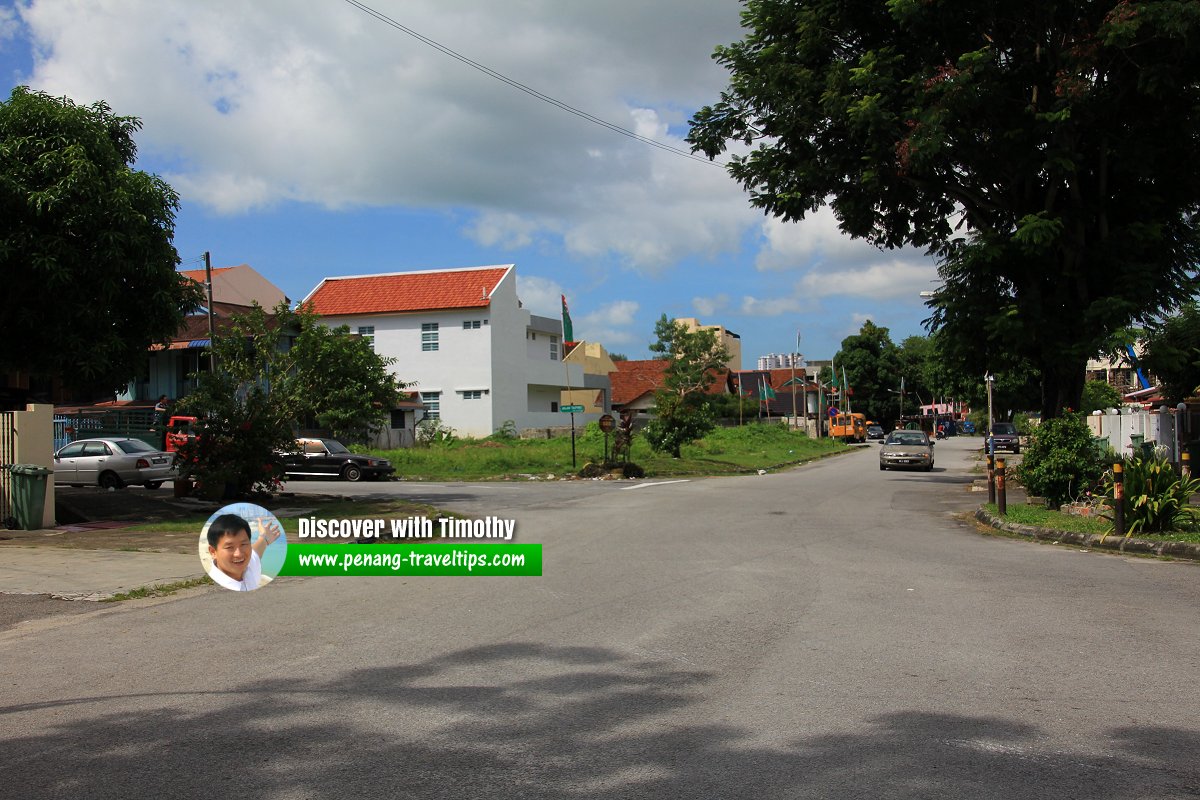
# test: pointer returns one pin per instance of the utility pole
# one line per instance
(795, 356)
(212, 355)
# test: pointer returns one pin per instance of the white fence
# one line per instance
(1128, 427)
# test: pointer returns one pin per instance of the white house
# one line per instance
(476, 356)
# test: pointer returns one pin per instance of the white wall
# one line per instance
(498, 359)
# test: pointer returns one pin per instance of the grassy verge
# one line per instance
(725, 451)
(1041, 517)
(320, 509)
(158, 590)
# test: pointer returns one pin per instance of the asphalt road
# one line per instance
(828, 632)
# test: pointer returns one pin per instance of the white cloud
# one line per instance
(251, 104)
(611, 324)
(540, 295)
(882, 281)
(708, 306)
(772, 307)
(10, 24)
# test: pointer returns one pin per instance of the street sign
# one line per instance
(571, 409)
(607, 423)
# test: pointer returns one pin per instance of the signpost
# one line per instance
(607, 423)
(572, 410)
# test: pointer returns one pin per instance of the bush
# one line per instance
(433, 431)
(1156, 499)
(1061, 461)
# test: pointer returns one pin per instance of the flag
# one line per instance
(568, 331)
(765, 392)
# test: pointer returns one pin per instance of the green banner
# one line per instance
(413, 559)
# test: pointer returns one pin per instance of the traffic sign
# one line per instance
(571, 409)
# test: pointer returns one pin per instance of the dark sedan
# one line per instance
(329, 458)
(1005, 437)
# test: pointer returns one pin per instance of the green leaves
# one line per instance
(85, 245)
(1157, 500)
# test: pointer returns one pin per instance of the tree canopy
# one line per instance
(872, 365)
(1042, 150)
(85, 245)
(1173, 353)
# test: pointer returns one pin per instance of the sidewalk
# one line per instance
(93, 556)
(89, 574)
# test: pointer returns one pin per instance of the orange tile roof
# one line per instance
(406, 291)
(635, 378)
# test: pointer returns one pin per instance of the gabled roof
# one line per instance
(396, 292)
(635, 378)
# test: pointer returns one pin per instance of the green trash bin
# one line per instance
(29, 494)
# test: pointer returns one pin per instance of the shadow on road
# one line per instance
(530, 721)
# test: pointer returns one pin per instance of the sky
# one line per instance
(314, 140)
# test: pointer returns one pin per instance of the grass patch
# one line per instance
(158, 590)
(725, 451)
(1042, 517)
(322, 508)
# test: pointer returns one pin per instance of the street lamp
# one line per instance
(990, 378)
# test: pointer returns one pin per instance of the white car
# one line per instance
(113, 463)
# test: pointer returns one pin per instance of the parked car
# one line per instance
(1005, 437)
(329, 458)
(910, 449)
(112, 463)
(875, 432)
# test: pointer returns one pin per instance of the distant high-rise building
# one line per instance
(731, 341)
(781, 361)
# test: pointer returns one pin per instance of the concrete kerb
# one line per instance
(1094, 541)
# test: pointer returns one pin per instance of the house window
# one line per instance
(429, 336)
(471, 324)
(433, 404)
(473, 394)
(553, 406)
(367, 332)
(554, 348)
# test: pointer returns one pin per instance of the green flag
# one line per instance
(765, 392)
(568, 331)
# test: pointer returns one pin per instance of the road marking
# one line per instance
(660, 483)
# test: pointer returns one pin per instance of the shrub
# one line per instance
(1156, 499)
(1062, 460)
(433, 431)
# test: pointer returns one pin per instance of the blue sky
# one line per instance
(312, 140)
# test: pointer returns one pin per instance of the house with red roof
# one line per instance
(635, 382)
(477, 357)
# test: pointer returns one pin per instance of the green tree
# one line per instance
(273, 372)
(1172, 353)
(872, 366)
(338, 380)
(1062, 461)
(1043, 150)
(1099, 395)
(694, 358)
(85, 245)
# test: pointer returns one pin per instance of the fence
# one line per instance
(137, 423)
(1126, 431)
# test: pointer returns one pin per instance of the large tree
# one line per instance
(1043, 150)
(872, 366)
(86, 252)
(1173, 353)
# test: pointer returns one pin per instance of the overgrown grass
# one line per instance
(321, 509)
(724, 451)
(158, 590)
(1042, 517)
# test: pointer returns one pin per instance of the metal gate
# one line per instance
(8, 454)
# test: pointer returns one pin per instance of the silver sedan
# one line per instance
(907, 449)
(112, 463)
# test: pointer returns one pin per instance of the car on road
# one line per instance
(1005, 437)
(875, 432)
(906, 449)
(329, 459)
(113, 463)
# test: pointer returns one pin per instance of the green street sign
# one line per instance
(571, 409)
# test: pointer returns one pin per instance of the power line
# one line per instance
(545, 98)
